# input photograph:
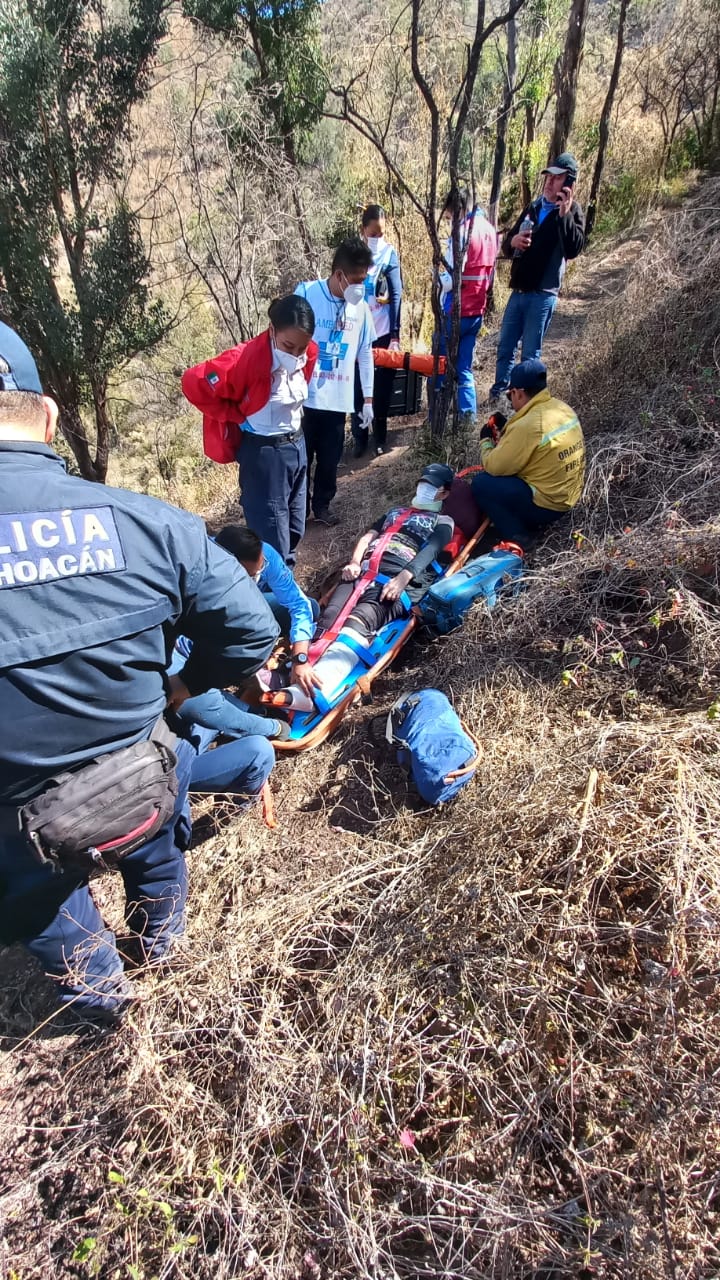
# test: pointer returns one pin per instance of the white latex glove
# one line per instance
(366, 419)
(445, 282)
(394, 345)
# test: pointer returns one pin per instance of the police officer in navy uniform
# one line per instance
(95, 584)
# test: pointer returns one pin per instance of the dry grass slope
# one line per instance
(479, 1043)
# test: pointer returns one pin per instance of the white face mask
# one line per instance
(375, 242)
(354, 293)
(425, 497)
(290, 363)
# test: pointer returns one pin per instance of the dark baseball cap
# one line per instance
(529, 375)
(439, 474)
(18, 371)
(564, 163)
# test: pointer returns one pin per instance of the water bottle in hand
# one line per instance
(526, 228)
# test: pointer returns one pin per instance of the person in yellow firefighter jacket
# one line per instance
(534, 472)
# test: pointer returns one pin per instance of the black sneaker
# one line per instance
(379, 451)
(326, 516)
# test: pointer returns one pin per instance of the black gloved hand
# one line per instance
(493, 427)
(283, 732)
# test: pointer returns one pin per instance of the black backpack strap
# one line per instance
(398, 713)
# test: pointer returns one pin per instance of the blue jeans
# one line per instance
(273, 491)
(526, 321)
(206, 716)
(508, 502)
(470, 327)
(56, 919)
(238, 768)
(221, 712)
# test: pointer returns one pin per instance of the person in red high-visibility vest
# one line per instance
(478, 243)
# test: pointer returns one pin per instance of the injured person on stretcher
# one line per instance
(391, 567)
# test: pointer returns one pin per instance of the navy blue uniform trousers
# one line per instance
(508, 501)
(273, 490)
(324, 439)
(55, 917)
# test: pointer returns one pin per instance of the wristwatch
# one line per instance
(299, 659)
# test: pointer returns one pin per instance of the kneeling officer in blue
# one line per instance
(95, 585)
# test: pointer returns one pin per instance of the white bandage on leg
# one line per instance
(336, 663)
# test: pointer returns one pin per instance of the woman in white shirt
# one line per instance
(252, 397)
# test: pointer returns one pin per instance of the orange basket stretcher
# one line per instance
(310, 728)
(426, 365)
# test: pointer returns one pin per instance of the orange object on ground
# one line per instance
(425, 365)
(514, 547)
(268, 807)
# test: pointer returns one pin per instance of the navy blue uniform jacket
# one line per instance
(95, 585)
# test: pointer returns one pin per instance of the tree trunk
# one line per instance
(604, 127)
(453, 127)
(566, 76)
(525, 191)
(503, 123)
(73, 429)
(103, 428)
(291, 157)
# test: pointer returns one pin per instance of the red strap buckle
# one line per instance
(513, 547)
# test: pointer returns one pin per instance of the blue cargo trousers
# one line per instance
(55, 917)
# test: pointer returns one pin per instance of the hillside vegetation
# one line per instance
(475, 1043)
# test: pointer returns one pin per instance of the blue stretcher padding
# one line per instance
(302, 722)
(443, 608)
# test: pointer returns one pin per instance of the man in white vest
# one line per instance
(344, 332)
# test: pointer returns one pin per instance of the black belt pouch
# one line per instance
(95, 816)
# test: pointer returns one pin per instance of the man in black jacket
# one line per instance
(548, 233)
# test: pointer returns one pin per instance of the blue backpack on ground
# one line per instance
(444, 606)
(442, 758)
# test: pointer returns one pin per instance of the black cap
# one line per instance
(564, 163)
(529, 375)
(439, 474)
